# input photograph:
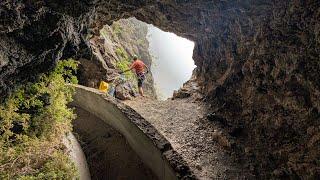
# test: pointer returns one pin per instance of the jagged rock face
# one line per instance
(115, 46)
(257, 64)
(32, 38)
(128, 37)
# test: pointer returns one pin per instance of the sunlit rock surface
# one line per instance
(113, 45)
(257, 64)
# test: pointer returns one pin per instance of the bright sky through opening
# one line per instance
(172, 60)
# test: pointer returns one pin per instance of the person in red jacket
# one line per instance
(141, 70)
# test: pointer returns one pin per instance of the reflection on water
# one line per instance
(172, 60)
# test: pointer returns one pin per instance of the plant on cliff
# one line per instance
(124, 64)
(117, 29)
(33, 120)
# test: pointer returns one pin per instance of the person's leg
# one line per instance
(140, 87)
(141, 91)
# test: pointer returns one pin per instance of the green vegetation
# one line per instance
(122, 54)
(33, 120)
(103, 32)
(117, 29)
(124, 64)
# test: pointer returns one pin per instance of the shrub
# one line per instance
(124, 64)
(122, 54)
(117, 29)
(33, 120)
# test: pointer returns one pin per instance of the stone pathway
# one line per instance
(190, 134)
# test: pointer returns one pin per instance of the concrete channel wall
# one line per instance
(77, 156)
(153, 149)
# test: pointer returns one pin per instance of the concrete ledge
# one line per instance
(77, 156)
(153, 149)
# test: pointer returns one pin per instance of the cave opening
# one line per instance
(172, 62)
(257, 68)
(168, 56)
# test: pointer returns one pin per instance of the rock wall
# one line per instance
(257, 64)
(116, 45)
(130, 37)
(263, 85)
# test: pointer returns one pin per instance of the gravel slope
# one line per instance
(191, 134)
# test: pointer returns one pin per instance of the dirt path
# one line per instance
(191, 134)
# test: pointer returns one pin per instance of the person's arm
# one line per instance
(147, 68)
(126, 70)
(131, 67)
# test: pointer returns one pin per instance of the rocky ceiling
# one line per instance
(257, 63)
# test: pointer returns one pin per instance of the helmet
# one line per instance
(135, 57)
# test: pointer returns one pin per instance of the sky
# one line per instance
(172, 60)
